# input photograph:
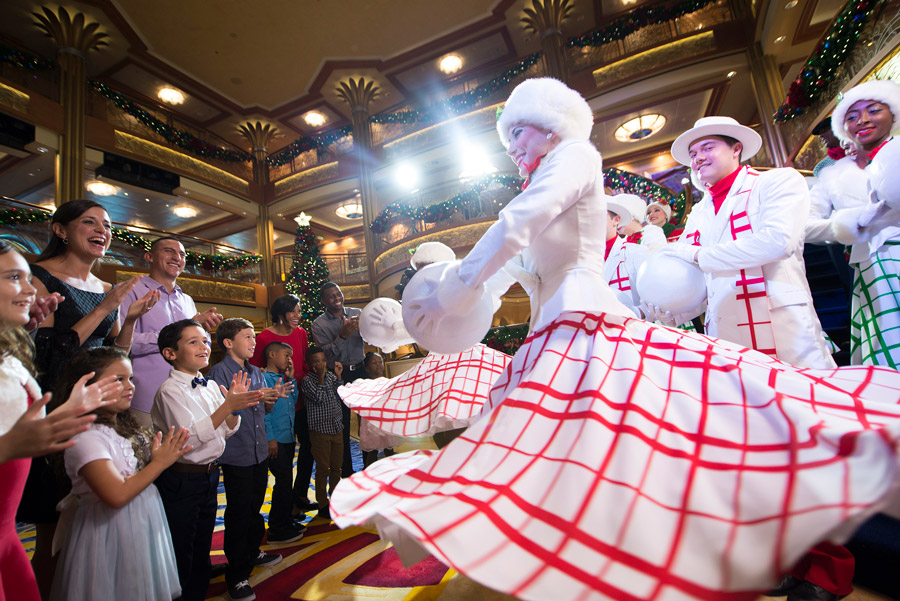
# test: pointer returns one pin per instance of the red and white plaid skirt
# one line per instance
(441, 392)
(618, 459)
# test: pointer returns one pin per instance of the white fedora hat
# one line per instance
(716, 126)
(635, 205)
(621, 210)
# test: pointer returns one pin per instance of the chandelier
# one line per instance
(640, 127)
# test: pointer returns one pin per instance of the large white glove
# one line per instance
(654, 313)
(442, 313)
(884, 174)
(685, 252)
(381, 325)
(847, 223)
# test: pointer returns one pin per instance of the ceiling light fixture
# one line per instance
(730, 74)
(450, 64)
(185, 212)
(779, 39)
(350, 209)
(791, 4)
(640, 127)
(101, 189)
(170, 95)
(314, 118)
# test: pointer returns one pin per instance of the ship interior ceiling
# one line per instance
(275, 62)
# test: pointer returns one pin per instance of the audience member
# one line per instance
(167, 259)
(319, 389)
(211, 414)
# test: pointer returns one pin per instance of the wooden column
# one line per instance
(259, 135)
(545, 18)
(359, 94)
(74, 38)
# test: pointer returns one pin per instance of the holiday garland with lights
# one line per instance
(506, 339)
(178, 137)
(303, 144)
(193, 259)
(24, 60)
(308, 273)
(830, 54)
(640, 17)
(613, 178)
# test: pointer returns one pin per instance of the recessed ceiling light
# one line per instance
(791, 4)
(101, 189)
(170, 95)
(450, 64)
(314, 118)
(640, 127)
(42, 150)
(185, 211)
(779, 39)
(730, 74)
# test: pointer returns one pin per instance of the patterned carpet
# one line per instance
(329, 564)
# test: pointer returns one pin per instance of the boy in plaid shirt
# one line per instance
(323, 405)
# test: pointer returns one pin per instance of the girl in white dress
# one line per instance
(617, 459)
(113, 531)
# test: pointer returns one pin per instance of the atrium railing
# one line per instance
(27, 226)
(343, 269)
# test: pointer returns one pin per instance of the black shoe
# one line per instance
(784, 587)
(287, 535)
(807, 591)
(306, 507)
(266, 560)
(241, 591)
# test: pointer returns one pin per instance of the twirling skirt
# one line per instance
(441, 392)
(618, 459)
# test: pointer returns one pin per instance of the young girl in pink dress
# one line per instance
(614, 458)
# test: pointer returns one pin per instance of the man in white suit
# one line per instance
(747, 237)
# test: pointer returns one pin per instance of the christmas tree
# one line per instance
(308, 273)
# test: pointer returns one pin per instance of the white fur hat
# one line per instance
(550, 104)
(750, 141)
(666, 208)
(636, 205)
(884, 91)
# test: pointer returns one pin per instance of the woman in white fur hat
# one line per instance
(617, 459)
(866, 117)
(659, 213)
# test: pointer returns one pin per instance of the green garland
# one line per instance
(308, 273)
(180, 138)
(193, 259)
(830, 54)
(24, 60)
(612, 177)
(640, 17)
(303, 144)
(441, 210)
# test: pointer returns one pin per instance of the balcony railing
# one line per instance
(343, 269)
(31, 237)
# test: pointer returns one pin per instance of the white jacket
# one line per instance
(557, 225)
(777, 209)
(620, 271)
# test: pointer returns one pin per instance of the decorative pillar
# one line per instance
(74, 39)
(769, 93)
(259, 135)
(359, 94)
(545, 18)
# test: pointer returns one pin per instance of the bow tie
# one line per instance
(198, 382)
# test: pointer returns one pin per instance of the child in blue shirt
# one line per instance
(280, 431)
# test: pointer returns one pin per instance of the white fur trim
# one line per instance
(667, 209)
(549, 104)
(884, 91)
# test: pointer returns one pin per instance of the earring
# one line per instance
(550, 135)
(65, 240)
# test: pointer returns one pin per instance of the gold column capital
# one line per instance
(545, 18)
(259, 134)
(358, 93)
(73, 35)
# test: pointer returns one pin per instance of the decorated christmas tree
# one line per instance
(308, 273)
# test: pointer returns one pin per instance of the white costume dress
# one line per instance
(875, 258)
(617, 459)
(769, 308)
(620, 270)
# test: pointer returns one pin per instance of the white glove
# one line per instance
(442, 313)
(431, 252)
(654, 313)
(381, 325)
(685, 252)
(846, 223)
